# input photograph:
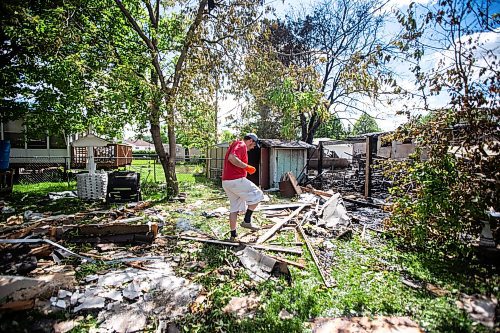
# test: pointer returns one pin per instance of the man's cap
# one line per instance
(254, 137)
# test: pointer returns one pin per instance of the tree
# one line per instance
(459, 182)
(227, 136)
(280, 93)
(365, 124)
(182, 46)
(332, 129)
(331, 40)
(105, 62)
(53, 66)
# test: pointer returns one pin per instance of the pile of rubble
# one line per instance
(135, 281)
(42, 253)
(352, 179)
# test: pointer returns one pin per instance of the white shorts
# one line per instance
(241, 192)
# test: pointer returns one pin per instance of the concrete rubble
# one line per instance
(481, 309)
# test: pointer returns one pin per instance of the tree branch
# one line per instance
(135, 26)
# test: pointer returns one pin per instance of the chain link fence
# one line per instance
(36, 170)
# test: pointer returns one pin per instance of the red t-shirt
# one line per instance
(231, 171)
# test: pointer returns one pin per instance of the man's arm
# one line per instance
(236, 161)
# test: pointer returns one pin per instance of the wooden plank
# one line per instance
(280, 206)
(293, 263)
(18, 305)
(315, 191)
(109, 229)
(227, 243)
(131, 219)
(368, 167)
(315, 258)
(277, 226)
(294, 182)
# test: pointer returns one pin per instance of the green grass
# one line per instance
(34, 196)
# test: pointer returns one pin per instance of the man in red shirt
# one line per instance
(243, 194)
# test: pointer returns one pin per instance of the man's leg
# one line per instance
(235, 204)
(249, 212)
(247, 220)
(233, 217)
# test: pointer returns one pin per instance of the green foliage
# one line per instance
(368, 273)
(60, 66)
(227, 136)
(443, 199)
(365, 124)
(90, 268)
(292, 103)
(427, 213)
(332, 128)
(317, 49)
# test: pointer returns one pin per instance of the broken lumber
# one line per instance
(18, 305)
(286, 261)
(279, 206)
(256, 246)
(363, 203)
(37, 240)
(315, 258)
(294, 183)
(97, 233)
(277, 226)
(314, 191)
(130, 219)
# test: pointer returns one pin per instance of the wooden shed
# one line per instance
(273, 159)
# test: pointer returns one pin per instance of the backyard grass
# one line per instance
(368, 273)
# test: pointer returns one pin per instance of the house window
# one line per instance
(37, 141)
(57, 142)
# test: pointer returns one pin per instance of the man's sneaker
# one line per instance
(249, 225)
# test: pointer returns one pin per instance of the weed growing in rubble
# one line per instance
(89, 268)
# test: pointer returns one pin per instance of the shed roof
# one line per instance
(277, 143)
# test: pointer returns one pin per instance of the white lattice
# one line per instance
(92, 186)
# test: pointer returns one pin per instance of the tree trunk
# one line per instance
(312, 127)
(167, 160)
(172, 183)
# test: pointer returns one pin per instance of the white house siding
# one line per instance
(342, 150)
